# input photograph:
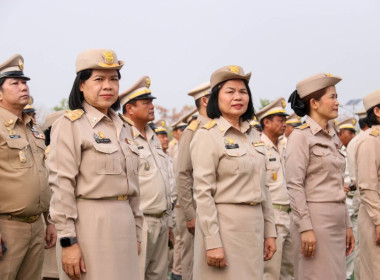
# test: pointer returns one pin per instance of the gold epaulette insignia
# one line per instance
(210, 124)
(303, 126)
(127, 120)
(193, 126)
(375, 132)
(47, 151)
(74, 114)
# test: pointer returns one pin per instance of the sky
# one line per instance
(180, 43)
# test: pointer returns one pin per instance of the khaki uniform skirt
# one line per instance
(106, 234)
(241, 229)
(369, 252)
(329, 226)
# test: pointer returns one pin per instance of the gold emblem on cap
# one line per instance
(298, 117)
(21, 64)
(147, 81)
(329, 75)
(234, 69)
(163, 123)
(283, 104)
(108, 57)
(353, 121)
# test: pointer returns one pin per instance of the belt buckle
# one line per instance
(253, 203)
(122, 197)
(31, 219)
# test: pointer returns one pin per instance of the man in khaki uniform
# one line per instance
(24, 190)
(155, 197)
(367, 157)
(292, 122)
(273, 121)
(346, 133)
(186, 205)
(174, 257)
(351, 148)
(177, 128)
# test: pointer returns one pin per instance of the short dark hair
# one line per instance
(213, 111)
(363, 122)
(76, 97)
(2, 80)
(270, 117)
(371, 117)
(198, 101)
(132, 102)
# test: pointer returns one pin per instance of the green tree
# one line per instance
(63, 105)
(264, 102)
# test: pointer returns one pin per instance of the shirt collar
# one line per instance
(148, 131)
(315, 127)
(268, 143)
(93, 114)
(224, 125)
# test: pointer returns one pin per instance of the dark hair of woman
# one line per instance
(371, 117)
(213, 111)
(317, 95)
(363, 122)
(76, 97)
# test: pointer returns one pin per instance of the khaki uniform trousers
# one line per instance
(369, 251)
(153, 258)
(25, 250)
(176, 268)
(187, 241)
(281, 264)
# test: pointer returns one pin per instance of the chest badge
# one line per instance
(36, 134)
(101, 138)
(274, 176)
(230, 144)
(258, 144)
(22, 156)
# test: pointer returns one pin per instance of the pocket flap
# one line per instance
(17, 143)
(106, 148)
(321, 152)
(235, 152)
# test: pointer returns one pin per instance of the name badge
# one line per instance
(232, 146)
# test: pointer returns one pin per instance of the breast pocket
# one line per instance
(321, 158)
(146, 163)
(19, 153)
(133, 153)
(107, 159)
(240, 161)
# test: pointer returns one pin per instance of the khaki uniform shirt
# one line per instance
(351, 150)
(314, 171)
(185, 169)
(229, 167)
(173, 148)
(153, 173)
(23, 189)
(368, 171)
(275, 171)
(83, 165)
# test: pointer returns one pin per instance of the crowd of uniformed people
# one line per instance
(99, 191)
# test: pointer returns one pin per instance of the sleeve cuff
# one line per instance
(269, 230)
(305, 225)
(213, 241)
(189, 213)
(66, 231)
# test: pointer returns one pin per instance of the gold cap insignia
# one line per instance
(234, 69)
(283, 104)
(108, 57)
(298, 117)
(353, 121)
(329, 75)
(163, 123)
(21, 64)
(147, 81)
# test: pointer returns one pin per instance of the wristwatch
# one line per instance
(67, 241)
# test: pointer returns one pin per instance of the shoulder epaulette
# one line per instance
(74, 114)
(375, 132)
(172, 143)
(193, 126)
(303, 126)
(210, 124)
(127, 120)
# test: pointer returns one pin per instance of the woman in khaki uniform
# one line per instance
(320, 224)
(93, 176)
(367, 155)
(235, 229)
